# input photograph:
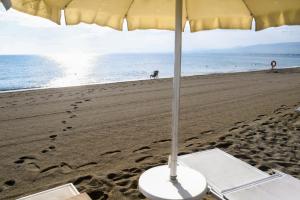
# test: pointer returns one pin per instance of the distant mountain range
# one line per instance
(279, 48)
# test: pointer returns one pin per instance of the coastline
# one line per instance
(101, 137)
(118, 82)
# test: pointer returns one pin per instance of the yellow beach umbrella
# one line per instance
(160, 14)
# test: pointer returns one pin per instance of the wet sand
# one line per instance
(102, 137)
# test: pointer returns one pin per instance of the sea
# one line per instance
(18, 72)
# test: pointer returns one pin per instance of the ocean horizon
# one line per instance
(20, 72)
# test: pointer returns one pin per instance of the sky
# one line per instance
(24, 34)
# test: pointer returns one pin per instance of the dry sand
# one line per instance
(102, 137)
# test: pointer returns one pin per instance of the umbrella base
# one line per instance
(155, 184)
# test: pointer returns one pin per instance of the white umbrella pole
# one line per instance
(176, 89)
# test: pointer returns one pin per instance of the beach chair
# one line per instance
(279, 186)
(155, 74)
(298, 110)
(64, 192)
(229, 178)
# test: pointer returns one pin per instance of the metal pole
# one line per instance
(176, 89)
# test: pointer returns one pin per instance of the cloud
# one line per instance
(25, 34)
(21, 19)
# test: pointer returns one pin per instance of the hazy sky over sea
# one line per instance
(25, 34)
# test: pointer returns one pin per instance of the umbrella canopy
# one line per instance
(159, 14)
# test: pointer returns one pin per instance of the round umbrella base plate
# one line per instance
(155, 184)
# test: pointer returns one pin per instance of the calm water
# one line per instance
(24, 72)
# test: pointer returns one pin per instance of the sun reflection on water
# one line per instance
(76, 69)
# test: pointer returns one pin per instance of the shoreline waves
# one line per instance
(129, 81)
(34, 71)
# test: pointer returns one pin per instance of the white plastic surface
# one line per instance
(222, 170)
(283, 187)
(155, 184)
(58, 193)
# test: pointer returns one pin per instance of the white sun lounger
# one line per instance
(59, 193)
(278, 187)
(298, 110)
(232, 179)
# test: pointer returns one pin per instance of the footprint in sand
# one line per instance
(141, 149)
(52, 137)
(233, 128)
(190, 139)
(98, 195)
(67, 128)
(207, 132)
(133, 170)
(86, 165)
(50, 148)
(119, 176)
(45, 151)
(143, 159)
(24, 158)
(7, 184)
(264, 168)
(72, 116)
(110, 152)
(238, 123)
(271, 126)
(265, 123)
(280, 109)
(49, 168)
(222, 138)
(162, 141)
(29, 162)
(10, 183)
(82, 180)
(111, 176)
(123, 183)
(32, 166)
(224, 145)
(19, 161)
(212, 143)
(189, 145)
(163, 161)
(62, 167)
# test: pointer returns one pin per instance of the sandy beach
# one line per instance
(102, 137)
